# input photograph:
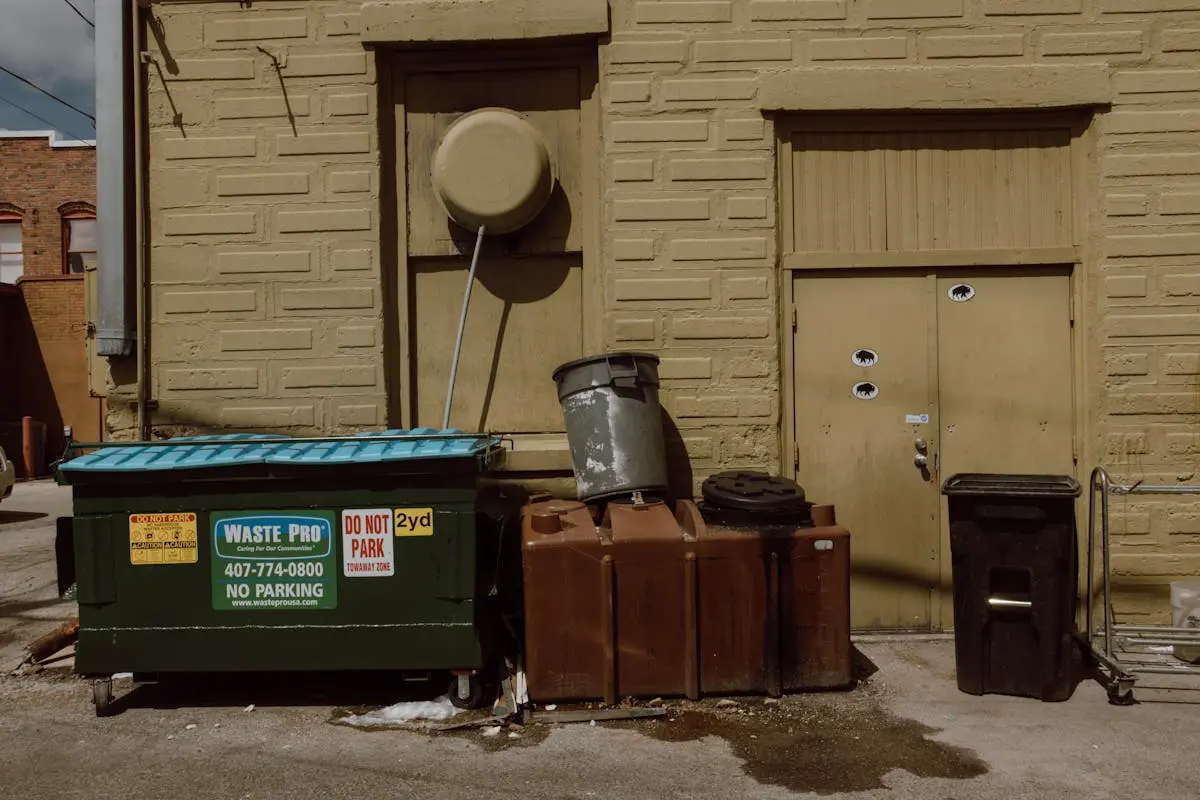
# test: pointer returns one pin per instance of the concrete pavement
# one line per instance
(905, 733)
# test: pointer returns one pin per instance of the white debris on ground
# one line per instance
(493, 730)
(439, 709)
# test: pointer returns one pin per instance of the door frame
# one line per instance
(1078, 258)
(530, 452)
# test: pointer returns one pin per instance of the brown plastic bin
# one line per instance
(652, 603)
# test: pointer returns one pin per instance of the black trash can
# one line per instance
(1014, 554)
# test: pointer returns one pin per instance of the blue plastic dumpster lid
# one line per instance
(240, 449)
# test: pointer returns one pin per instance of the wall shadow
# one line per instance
(34, 394)
(679, 464)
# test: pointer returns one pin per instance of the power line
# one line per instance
(80, 13)
(25, 110)
(48, 94)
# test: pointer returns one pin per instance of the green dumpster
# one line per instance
(269, 553)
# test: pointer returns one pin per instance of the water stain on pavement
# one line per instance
(823, 744)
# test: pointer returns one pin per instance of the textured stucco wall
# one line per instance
(266, 262)
(266, 303)
(691, 204)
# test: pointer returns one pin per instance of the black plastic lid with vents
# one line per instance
(754, 497)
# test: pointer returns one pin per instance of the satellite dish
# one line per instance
(493, 169)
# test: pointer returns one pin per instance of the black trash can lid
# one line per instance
(996, 485)
(753, 491)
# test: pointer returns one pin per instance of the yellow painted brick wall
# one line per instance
(266, 300)
(691, 204)
(265, 256)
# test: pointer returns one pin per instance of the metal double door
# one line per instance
(903, 378)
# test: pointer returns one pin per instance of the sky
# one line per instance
(46, 42)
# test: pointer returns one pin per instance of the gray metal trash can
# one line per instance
(614, 424)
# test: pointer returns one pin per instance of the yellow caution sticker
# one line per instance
(163, 539)
(414, 522)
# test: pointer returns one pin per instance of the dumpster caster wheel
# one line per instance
(470, 691)
(102, 696)
(1119, 696)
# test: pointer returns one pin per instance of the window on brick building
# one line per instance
(12, 257)
(79, 239)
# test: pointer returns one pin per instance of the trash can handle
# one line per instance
(1003, 602)
(623, 375)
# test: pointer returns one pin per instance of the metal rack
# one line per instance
(1123, 652)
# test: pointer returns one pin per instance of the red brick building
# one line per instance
(47, 233)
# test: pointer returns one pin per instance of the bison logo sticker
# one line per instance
(865, 357)
(961, 292)
(864, 390)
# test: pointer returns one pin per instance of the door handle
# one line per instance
(921, 460)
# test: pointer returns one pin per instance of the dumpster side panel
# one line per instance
(95, 561)
(160, 617)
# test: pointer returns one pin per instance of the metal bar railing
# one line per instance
(1166, 629)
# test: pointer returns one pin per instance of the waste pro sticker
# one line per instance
(273, 561)
(414, 522)
(163, 539)
(367, 549)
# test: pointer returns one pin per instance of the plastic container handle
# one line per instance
(623, 375)
(1003, 602)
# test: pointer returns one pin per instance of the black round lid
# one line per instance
(753, 491)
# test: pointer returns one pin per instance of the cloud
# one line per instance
(46, 42)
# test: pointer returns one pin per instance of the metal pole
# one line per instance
(1106, 553)
(1191, 633)
(27, 450)
(1091, 557)
(462, 324)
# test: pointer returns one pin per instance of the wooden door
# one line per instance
(527, 308)
(863, 397)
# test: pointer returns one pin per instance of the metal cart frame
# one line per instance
(1121, 652)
